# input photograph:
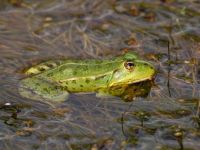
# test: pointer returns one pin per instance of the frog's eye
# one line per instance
(129, 65)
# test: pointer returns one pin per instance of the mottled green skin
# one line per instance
(53, 80)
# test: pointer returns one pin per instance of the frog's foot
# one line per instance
(37, 89)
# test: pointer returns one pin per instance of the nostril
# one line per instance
(151, 67)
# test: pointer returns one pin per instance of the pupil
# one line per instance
(130, 64)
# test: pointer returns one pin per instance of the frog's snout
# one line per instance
(147, 69)
(153, 76)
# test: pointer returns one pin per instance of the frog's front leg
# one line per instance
(104, 93)
(38, 89)
(110, 92)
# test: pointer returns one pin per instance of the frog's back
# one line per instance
(44, 66)
(96, 66)
(75, 69)
(58, 70)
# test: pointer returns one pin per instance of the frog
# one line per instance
(54, 80)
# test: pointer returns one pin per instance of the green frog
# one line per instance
(54, 80)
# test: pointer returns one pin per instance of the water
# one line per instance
(34, 31)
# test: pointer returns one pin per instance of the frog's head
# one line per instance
(132, 70)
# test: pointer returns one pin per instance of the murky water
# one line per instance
(34, 31)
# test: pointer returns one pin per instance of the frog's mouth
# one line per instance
(140, 81)
(150, 78)
(131, 81)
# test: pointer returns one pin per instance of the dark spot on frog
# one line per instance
(81, 85)
(50, 65)
(63, 82)
(45, 89)
(148, 65)
(37, 84)
(41, 69)
(87, 81)
(57, 87)
(74, 81)
(75, 73)
(49, 74)
(151, 67)
(64, 88)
